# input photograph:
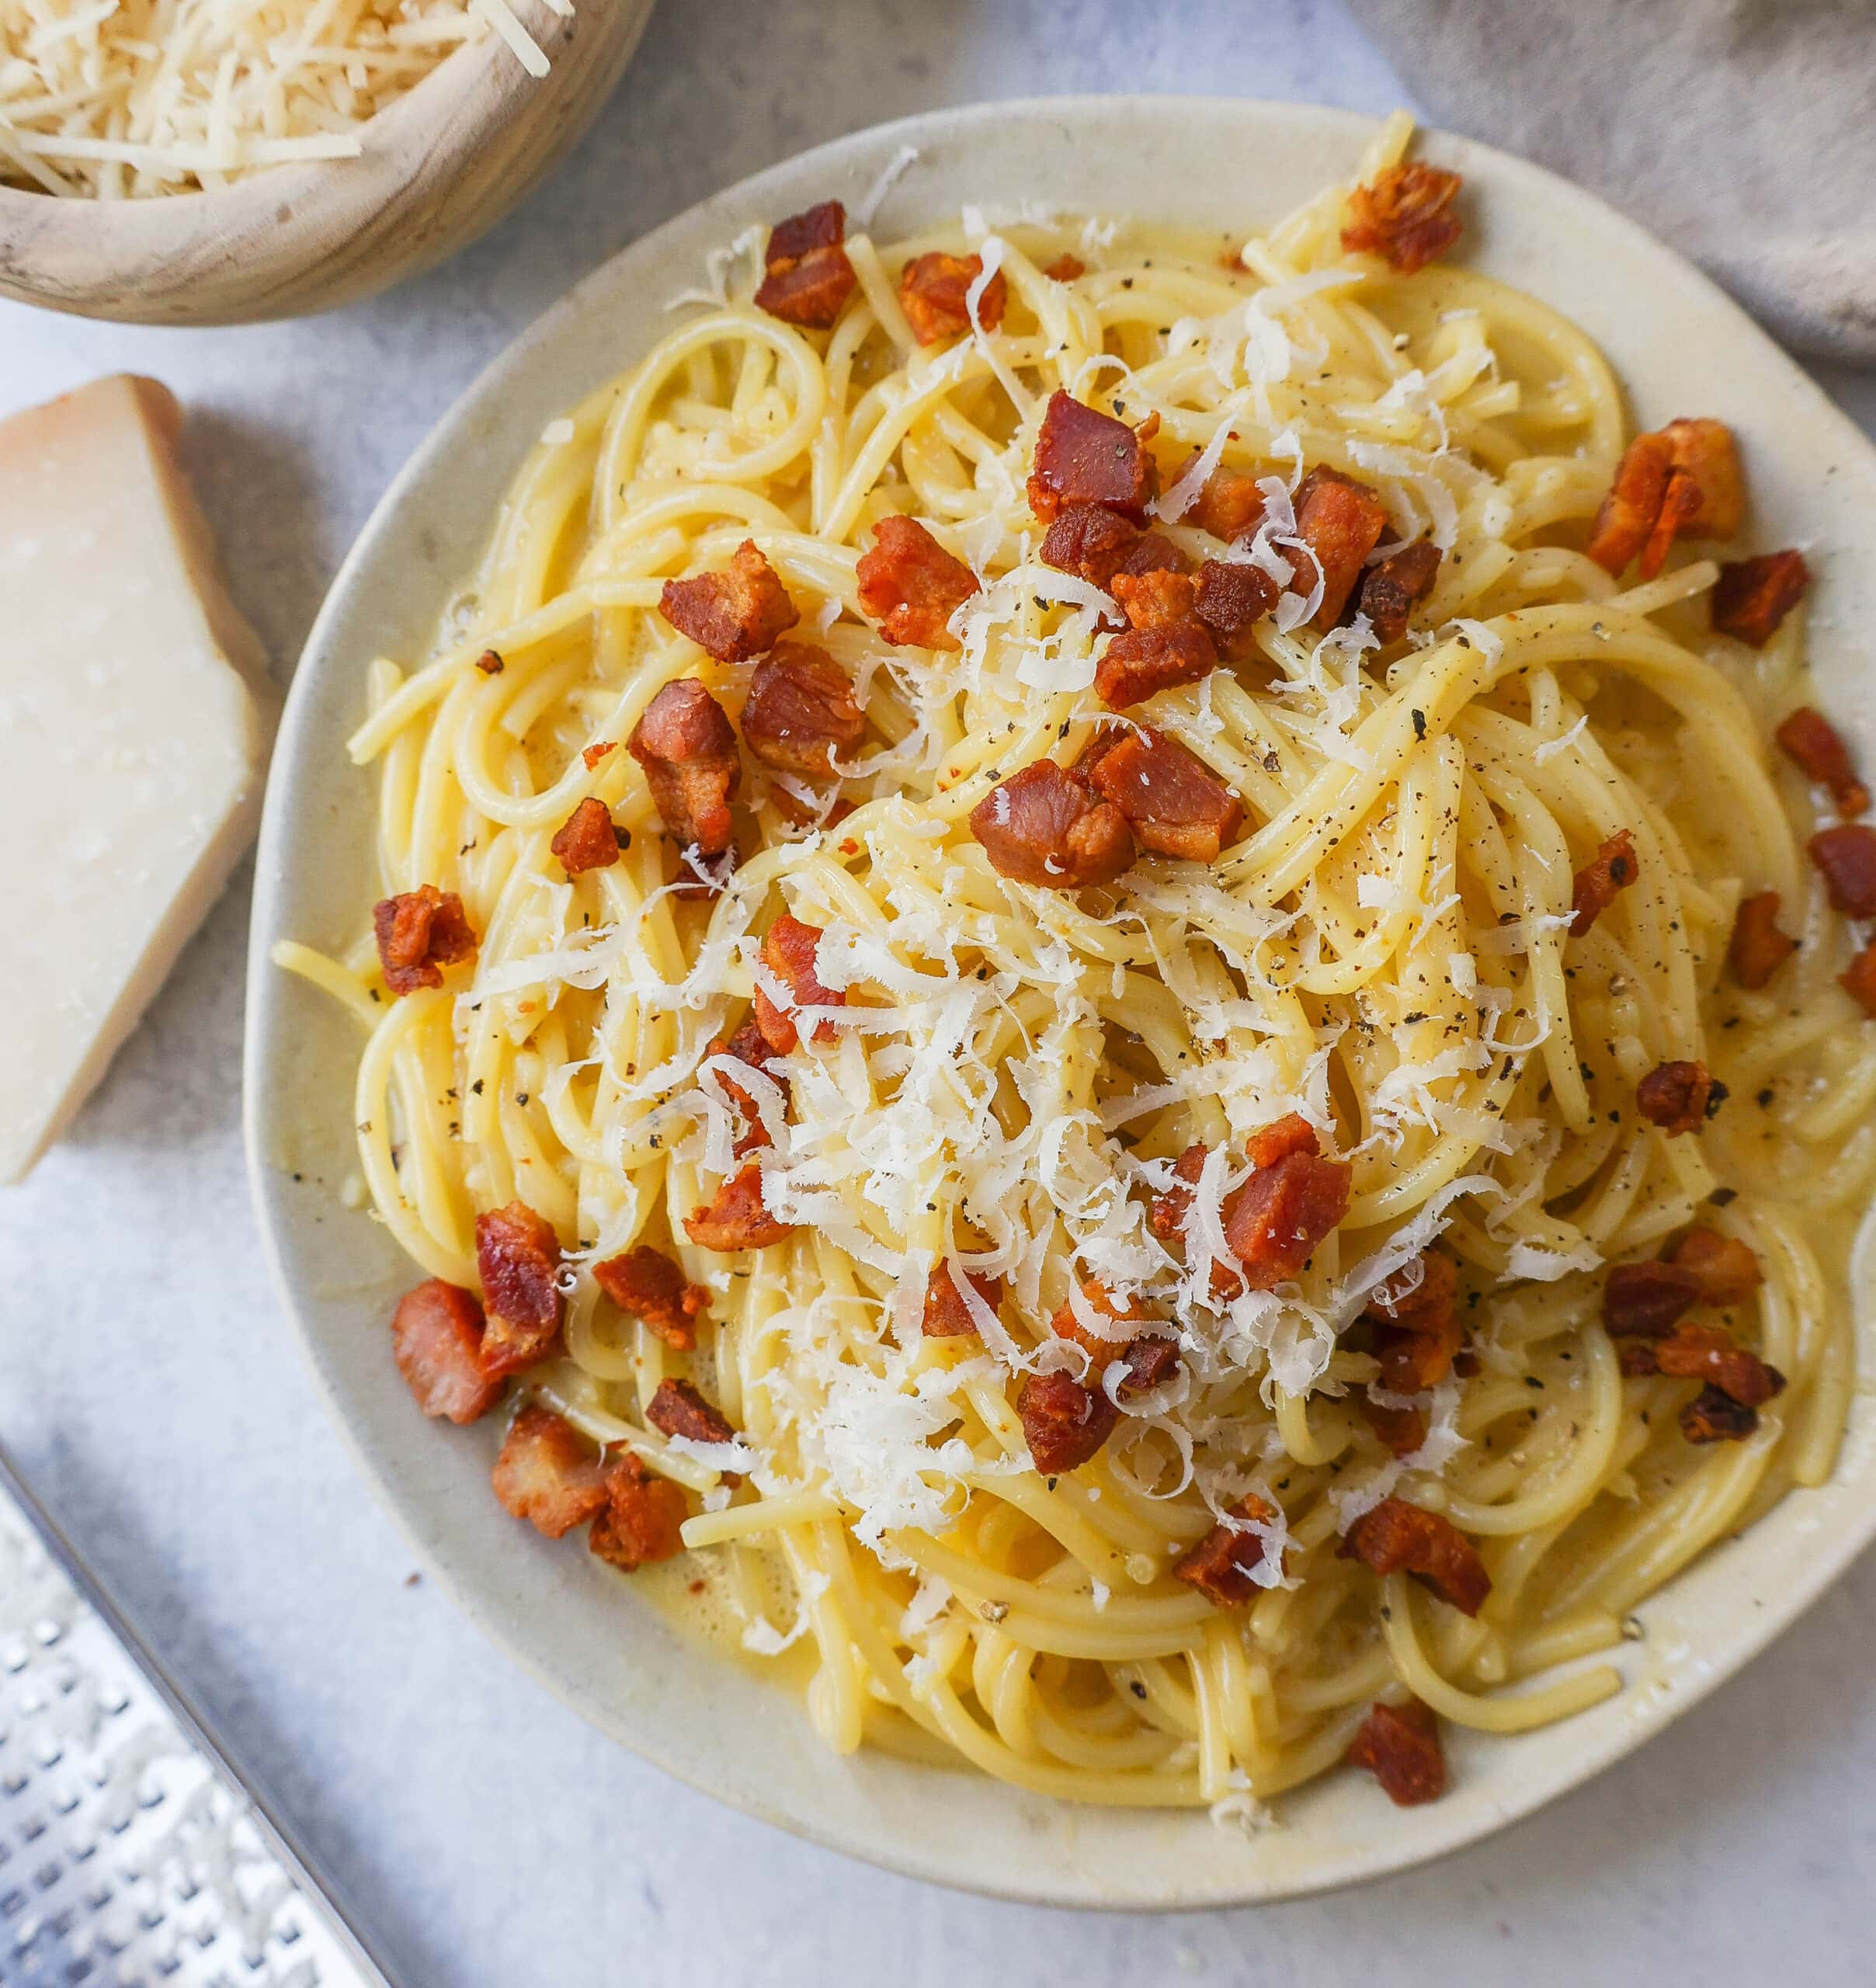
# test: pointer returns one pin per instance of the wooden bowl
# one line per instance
(442, 165)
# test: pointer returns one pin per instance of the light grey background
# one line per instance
(149, 1383)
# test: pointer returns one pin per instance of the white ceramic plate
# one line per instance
(1680, 347)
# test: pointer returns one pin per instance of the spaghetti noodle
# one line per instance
(1389, 958)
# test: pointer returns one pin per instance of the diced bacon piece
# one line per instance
(807, 278)
(1421, 1302)
(653, 1288)
(1160, 598)
(1064, 1422)
(1088, 540)
(1628, 513)
(436, 1340)
(1231, 598)
(687, 746)
(1042, 826)
(517, 1257)
(1391, 591)
(1645, 1301)
(1395, 1537)
(1680, 504)
(1400, 1430)
(1816, 746)
(1176, 805)
(1152, 552)
(1752, 596)
(1847, 857)
(1399, 1745)
(1714, 1416)
(489, 663)
(934, 293)
(418, 933)
(801, 715)
(1758, 949)
(734, 614)
(600, 748)
(1726, 1270)
(1679, 1096)
(748, 1045)
(1341, 521)
(1084, 457)
(587, 839)
(1168, 1213)
(1710, 1353)
(1704, 451)
(1229, 505)
(676, 1409)
(1291, 1133)
(1148, 1362)
(946, 1315)
(1420, 1330)
(1066, 268)
(1148, 1358)
(1596, 887)
(1220, 1567)
(548, 1473)
(737, 1219)
(1858, 979)
(643, 1517)
(1411, 1362)
(1274, 1222)
(1404, 215)
(912, 586)
(1634, 1359)
(789, 951)
(1139, 662)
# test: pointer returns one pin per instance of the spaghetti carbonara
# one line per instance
(1064, 978)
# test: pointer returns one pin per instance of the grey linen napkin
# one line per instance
(1743, 131)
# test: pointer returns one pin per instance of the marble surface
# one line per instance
(151, 1388)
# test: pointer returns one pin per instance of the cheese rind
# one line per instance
(135, 717)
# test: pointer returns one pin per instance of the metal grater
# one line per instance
(133, 1853)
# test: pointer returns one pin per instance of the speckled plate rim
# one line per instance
(1679, 345)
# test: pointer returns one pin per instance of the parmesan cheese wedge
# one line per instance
(135, 717)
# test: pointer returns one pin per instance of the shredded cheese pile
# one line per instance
(111, 99)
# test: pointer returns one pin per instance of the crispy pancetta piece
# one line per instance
(1090, 541)
(934, 293)
(1847, 857)
(1391, 590)
(748, 1045)
(1420, 1330)
(789, 950)
(1229, 505)
(548, 1473)
(1167, 1216)
(1148, 1357)
(1291, 1133)
(1231, 598)
(1725, 1270)
(1752, 596)
(1274, 1222)
(737, 1219)
(1042, 825)
(1161, 599)
(436, 1340)
(1628, 513)
(1139, 662)
(676, 1409)
(643, 1516)
(1704, 451)
(1399, 1745)
(517, 1258)
(801, 715)
(912, 586)
(1152, 552)
(1680, 1096)
(1858, 979)
(1085, 456)
(419, 933)
(734, 614)
(1684, 480)
(1066, 268)
(946, 1315)
(1645, 1300)
(1341, 521)
(1175, 803)
(1220, 1567)
(1714, 1416)
(1816, 747)
(1396, 1537)
(1710, 1353)
(653, 1289)
(1400, 1430)
(687, 746)
(1758, 949)
(1404, 215)
(1064, 1422)
(587, 839)
(807, 278)
(1596, 886)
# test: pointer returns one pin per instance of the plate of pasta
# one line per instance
(1059, 1029)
